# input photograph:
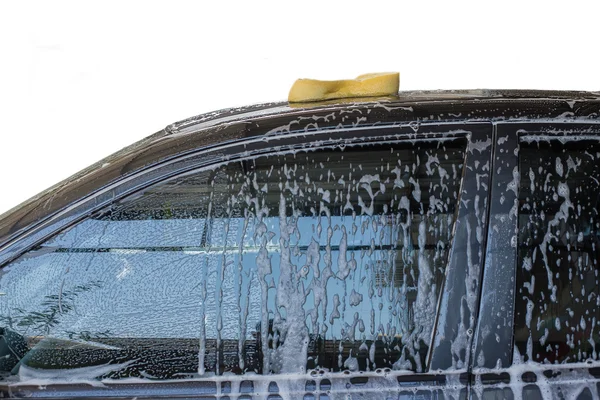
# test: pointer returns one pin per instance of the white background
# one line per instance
(80, 79)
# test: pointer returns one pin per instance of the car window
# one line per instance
(557, 308)
(329, 259)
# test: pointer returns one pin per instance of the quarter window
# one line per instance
(330, 259)
(557, 308)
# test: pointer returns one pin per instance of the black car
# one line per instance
(425, 245)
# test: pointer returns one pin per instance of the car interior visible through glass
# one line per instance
(323, 259)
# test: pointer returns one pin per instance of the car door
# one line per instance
(538, 331)
(327, 264)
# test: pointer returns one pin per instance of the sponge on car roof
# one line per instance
(374, 84)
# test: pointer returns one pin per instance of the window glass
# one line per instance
(330, 259)
(557, 310)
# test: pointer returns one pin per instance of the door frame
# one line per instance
(449, 358)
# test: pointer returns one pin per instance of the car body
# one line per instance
(430, 245)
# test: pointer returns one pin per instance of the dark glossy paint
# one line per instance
(484, 116)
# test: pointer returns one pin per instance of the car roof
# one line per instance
(281, 118)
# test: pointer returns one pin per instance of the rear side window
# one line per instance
(314, 260)
(557, 308)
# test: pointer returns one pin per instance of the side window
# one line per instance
(330, 259)
(557, 312)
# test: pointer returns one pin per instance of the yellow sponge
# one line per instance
(375, 84)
